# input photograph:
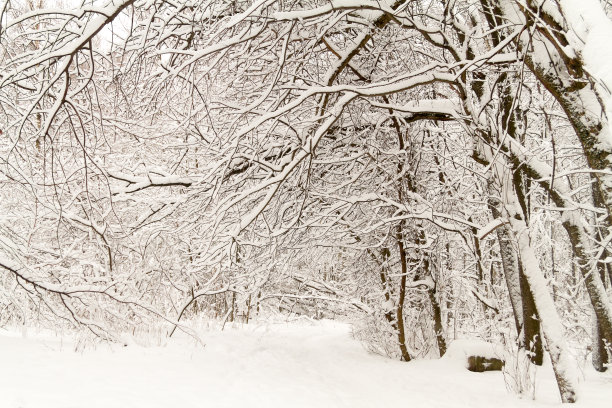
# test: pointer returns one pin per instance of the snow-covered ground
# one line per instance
(299, 364)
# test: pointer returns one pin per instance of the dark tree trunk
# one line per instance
(437, 316)
(510, 268)
(422, 273)
(531, 322)
(401, 333)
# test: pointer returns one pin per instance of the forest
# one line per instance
(428, 171)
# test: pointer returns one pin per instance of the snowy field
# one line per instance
(299, 364)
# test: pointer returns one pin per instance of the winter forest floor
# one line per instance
(299, 364)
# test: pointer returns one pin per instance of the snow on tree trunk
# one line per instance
(510, 267)
(563, 363)
(525, 314)
(580, 236)
(531, 319)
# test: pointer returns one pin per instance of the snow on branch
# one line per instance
(490, 227)
(138, 183)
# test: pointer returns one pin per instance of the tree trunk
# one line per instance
(562, 361)
(601, 352)
(437, 316)
(401, 333)
(422, 273)
(510, 268)
(531, 322)
(592, 279)
(579, 233)
(384, 281)
(526, 316)
(552, 328)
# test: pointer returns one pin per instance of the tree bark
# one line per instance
(552, 328)
(531, 325)
(401, 332)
